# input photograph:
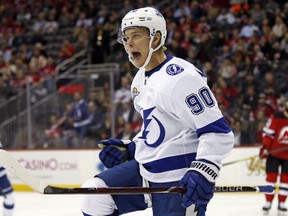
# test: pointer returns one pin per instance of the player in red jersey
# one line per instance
(275, 142)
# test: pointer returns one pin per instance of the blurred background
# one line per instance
(61, 58)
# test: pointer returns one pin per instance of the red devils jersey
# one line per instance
(275, 135)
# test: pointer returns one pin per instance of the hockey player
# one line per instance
(183, 137)
(275, 138)
(7, 192)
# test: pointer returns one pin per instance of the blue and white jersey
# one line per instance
(180, 118)
(2, 169)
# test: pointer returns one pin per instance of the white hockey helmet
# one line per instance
(147, 17)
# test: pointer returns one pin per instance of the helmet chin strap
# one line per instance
(151, 50)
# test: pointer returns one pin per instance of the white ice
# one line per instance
(223, 204)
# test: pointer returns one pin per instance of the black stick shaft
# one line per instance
(150, 190)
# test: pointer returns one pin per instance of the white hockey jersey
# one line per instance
(180, 118)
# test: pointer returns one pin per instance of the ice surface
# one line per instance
(223, 204)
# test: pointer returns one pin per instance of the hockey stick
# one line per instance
(13, 166)
(149, 190)
(255, 156)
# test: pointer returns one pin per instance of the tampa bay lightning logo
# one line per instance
(158, 13)
(174, 69)
(146, 121)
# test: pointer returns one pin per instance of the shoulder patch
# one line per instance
(135, 92)
(174, 69)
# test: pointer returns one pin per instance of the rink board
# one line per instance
(70, 168)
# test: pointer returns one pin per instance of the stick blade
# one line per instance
(14, 167)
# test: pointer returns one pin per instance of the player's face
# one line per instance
(136, 42)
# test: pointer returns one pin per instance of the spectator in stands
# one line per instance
(220, 97)
(83, 21)
(19, 39)
(271, 98)
(279, 28)
(3, 65)
(257, 127)
(47, 74)
(53, 134)
(25, 53)
(23, 14)
(18, 79)
(277, 55)
(66, 124)
(257, 13)
(39, 22)
(182, 11)
(225, 18)
(119, 125)
(99, 42)
(224, 53)
(96, 120)
(96, 97)
(6, 90)
(19, 63)
(229, 89)
(52, 25)
(128, 112)
(112, 26)
(263, 106)
(106, 127)
(67, 50)
(227, 69)
(123, 94)
(38, 60)
(6, 50)
(268, 80)
(205, 47)
(174, 47)
(126, 133)
(80, 118)
(127, 6)
(241, 124)
(236, 127)
(270, 6)
(80, 37)
(64, 18)
(91, 8)
(38, 92)
(250, 100)
(249, 28)
(259, 65)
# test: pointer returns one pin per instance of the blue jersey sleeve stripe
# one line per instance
(170, 163)
(219, 126)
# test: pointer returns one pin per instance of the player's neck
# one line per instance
(157, 58)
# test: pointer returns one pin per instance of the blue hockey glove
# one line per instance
(201, 209)
(199, 181)
(115, 151)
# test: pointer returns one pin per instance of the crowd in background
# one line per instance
(241, 46)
